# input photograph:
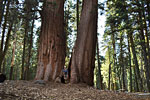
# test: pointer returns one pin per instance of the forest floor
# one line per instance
(30, 90)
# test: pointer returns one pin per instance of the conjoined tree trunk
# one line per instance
(51, 58)
(83, 56)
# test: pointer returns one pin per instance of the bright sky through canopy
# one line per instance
(101, 28)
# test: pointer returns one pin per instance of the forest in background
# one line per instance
(125, 40)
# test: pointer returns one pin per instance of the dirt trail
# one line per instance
(28, 90)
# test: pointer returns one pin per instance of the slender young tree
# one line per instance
(13, 58)
(3, 34)
(122, 62)
(2, 8)
(114, 55)
(77, 14)
(51, 52)
(26, 31)
(137, 70)
(109, 78)
(148, 10)
(27, 73)
(99, 67)
(143, 45)
(130, 63)
(83, 56)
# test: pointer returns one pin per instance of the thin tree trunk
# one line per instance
(137, 71)
(2, 8)
(130, 63)
(27, 73)
(4, 69)
(67, 30)
(114, 57)
(145, 27)
(142, 71)
(122, 62)
(6, 43)
(13, 58)
(77, 14)
(3, 35)
(148, 10)
(136, 86)
(28, 8)
(83, 57)
(1, 11)
(99, 67)
(143, 45)
(109, 76)
(145, 60)
(24, 51)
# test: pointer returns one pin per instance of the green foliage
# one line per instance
(18, 14)
(122, 18)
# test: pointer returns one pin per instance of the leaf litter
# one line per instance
(31, 90)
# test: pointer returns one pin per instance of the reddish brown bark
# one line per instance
(51, 57)
(13, 58)
(83, 56)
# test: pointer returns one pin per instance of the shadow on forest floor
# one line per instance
(28, 90)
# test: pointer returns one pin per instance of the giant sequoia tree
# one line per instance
(83, 56)
(51, 58)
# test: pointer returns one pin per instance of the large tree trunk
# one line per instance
(51, 58)
(83, 56)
